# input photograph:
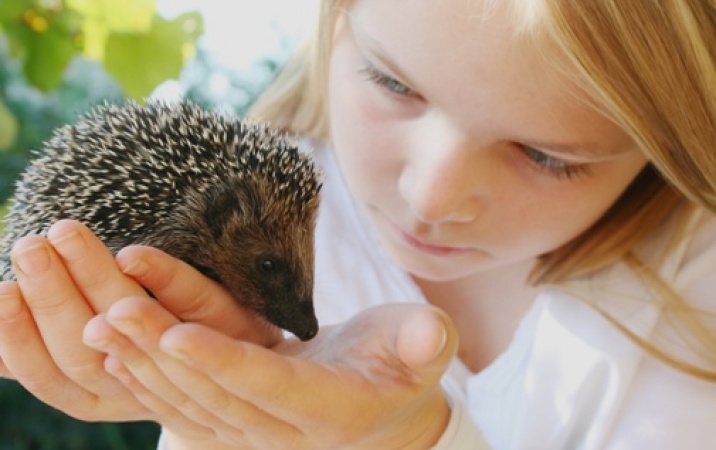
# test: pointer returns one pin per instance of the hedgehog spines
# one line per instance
(121, 166)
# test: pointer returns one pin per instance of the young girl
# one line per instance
(515, 248)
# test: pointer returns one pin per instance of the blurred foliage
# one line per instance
(28, 424)
(36, 113)
(58, 58)
(138, 47)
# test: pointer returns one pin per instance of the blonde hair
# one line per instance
(296, 100)
(668, 110)
(614, 46)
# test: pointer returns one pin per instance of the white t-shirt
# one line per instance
(569, 379)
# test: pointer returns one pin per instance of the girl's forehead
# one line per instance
(456, 34)
(475, 61)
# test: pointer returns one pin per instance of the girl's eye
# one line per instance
(553, 166)
(387, 82)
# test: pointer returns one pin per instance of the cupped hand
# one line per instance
(372, 382)
(66, 279)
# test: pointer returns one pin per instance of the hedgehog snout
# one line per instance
(300, 320)
(308, 328)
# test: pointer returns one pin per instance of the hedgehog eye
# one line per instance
(267, 265)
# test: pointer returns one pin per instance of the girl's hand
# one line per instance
(372, 382)
(65, 280)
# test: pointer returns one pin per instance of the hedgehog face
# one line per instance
(262, 253)
(284, 283)
(271, 270)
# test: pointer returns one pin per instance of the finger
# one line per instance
(419, 340)
(41, 347)
(291, 393)
(99, 334)
(193, 297)
(168, 416)
(91, 265)
(426, 340)
(21, 347)
(26, 359)
(229, 419)
(5, 372)
(10, 302)
(52, 299)
(167, 386)
(121, 332)
(10, 310)
(366, 377)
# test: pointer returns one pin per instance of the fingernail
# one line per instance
(69, 244)
(95, 342)
(441, 343)
(129, 327)
(170, 347)
(93, 335)
(117, 369)
(178, 353)
(32, 260)
(422, 339)
(10, 307)
(136, 268)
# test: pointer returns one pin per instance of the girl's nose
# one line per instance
(437, 197)
(438, 182)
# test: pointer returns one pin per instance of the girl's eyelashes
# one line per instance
(553, 166)
(387, 82)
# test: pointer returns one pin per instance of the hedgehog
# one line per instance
(233, 198)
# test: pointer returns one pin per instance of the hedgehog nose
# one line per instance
(300, 320)
(308, 334)
(309, 328)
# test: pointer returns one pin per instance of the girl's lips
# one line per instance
(425, 247)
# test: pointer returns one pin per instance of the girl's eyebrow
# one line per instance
(369, 45)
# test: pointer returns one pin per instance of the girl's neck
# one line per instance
(486, 308)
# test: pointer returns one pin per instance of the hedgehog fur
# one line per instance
(236, 200)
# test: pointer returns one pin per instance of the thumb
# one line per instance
(426, 340)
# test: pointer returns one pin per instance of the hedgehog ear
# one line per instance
(221, 205)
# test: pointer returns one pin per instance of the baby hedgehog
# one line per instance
(236, 200)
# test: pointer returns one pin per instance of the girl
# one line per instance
(515, 248)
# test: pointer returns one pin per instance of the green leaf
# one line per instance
(12, 10)
(126, 16)
(141, 61)
(47, 56)
(44, 41)
(12, 14)
(104, 17)
(8, 127)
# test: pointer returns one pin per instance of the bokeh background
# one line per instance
(58, 58)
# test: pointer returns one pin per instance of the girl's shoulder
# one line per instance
(681, 259)
(696, 255)
(578, 374)
(673, 269)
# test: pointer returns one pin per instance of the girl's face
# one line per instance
(466, 148)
